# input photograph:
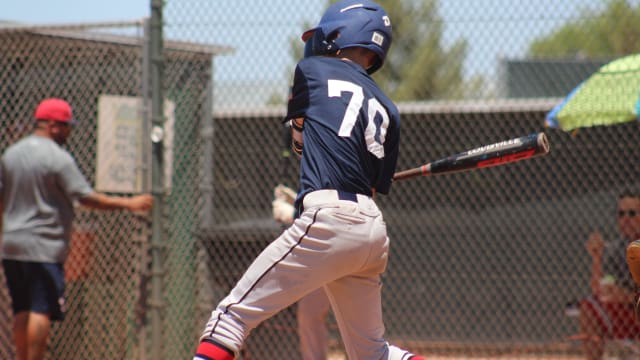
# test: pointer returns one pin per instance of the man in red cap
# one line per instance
(39, 183)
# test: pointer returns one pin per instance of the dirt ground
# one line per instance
(340, 356)
(566, 351)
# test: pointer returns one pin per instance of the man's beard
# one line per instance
(61, 140)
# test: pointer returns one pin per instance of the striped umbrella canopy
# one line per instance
(609, 96)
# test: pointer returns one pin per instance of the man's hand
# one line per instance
(141, 202)
(595, 245)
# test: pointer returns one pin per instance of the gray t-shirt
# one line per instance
(40, 181)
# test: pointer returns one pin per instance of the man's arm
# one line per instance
(595, 247)
(100, 201)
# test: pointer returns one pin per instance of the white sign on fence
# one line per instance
(123, 155)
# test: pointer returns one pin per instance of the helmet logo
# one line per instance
(354, 6)
(386, 20)
(377, 38)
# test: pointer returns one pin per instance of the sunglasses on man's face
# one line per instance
(629, 213)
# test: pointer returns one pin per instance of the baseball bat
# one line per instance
(503, 152)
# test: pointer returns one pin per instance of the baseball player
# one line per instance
(313, 309)
(346, 132)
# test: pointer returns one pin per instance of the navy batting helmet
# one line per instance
(352, 23)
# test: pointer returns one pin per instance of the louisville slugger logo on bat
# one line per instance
(500, 145)
(502, 152)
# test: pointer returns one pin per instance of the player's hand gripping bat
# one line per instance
(503, 152)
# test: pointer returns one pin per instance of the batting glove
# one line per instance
(285, 193)
(282, 211)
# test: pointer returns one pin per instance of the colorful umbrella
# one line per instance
(609, 96)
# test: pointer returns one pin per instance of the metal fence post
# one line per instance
(157, 181)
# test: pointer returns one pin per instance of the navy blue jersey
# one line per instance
(351, 128)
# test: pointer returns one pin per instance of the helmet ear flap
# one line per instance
(308, 48)
(324, 45)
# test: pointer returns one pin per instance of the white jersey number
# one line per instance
(336, 88)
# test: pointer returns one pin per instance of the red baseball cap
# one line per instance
(55, 109)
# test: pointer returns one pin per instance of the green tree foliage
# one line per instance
(418, 67)
(611, 33)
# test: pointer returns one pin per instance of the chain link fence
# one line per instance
(482, 263)
(103, 71)
(103, 271)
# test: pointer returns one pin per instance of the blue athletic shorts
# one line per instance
(36, 287)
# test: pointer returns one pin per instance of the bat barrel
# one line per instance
(503, 152)
(543, 143)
